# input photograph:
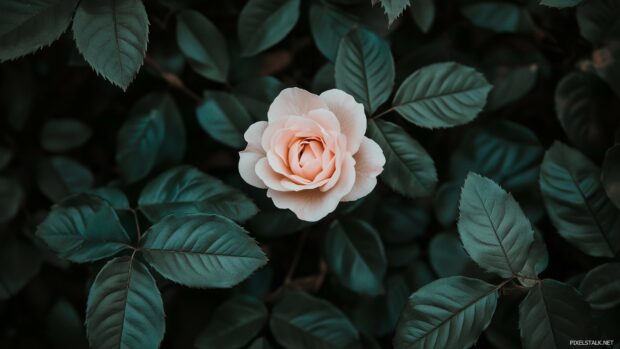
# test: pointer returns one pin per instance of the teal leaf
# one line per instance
(560, 3)
(65, 327)
(233, 324)
(201, 251)
(599, 21)
(610, 175)
(324, 78)
(224, 118)
(26, 26)
(112, 36)
(299, 320)
(576, 202)
(203, 45)
(354, 252)
(448, 313)
(328, 27)
(409, 169)
(601, 286)
(83, 228)
(124, 308)
(448, 258)
(59, 176)
(264, 23)
(276, 223)
(137, 144)
(423, 13)
(537, 260)
(20, 261)
(510, 83)
(260, 343)
(186, 190)
(365, 68)
(114, 197)
(11, 198)
(551, 315)
(442, 95)
(394, 8)
(257, 94)
(501, 17)
(59, 135)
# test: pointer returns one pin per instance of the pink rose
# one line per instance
(311, 153)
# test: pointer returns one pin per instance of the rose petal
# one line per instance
(294, 101)
(325, 119)
(369, 164)
(253, 136)
(267, 175)
(350, 114)
(247, 163)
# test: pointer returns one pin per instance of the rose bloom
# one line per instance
(311, 154)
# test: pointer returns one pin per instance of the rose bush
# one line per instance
(311, 154)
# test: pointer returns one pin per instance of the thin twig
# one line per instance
(172, 79)
(383, 113)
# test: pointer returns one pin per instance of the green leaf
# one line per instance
(83, 228)
(203, 45)
(442, 95)
(328, 27)
(264, 23)
(394, 8)
(501, 17)
(260, 343)
(137, 144)
(577, 204)
(447, 313)
(599, 21)
(601, 286)
(224, 118)
(324, 78)
(11, 198)
(114, 197)
(537, 260)
(610, 175)
(448, 258)
(112, 36)
(494, 230)
(302, 321)
(59, 135)
(201, 251)
(59, 176)
(409, 169)
(186, 190)
(560, 3)
(354, 252)
(510, 83)
(257, 94)
(26, 26)
(65, 327)
(365, 68)
(20, 261)
(124, 308)
(551, 315)
(423, 13)
(233, 324)
(276, 223)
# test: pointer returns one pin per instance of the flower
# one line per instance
(311, 154)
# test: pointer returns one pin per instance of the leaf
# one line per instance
(276, 223)
(83, 228)
(26, 26)
(599, 20)
(186, 190)
(447, 313)
(113, 196)
(328, 27)
(224, 118)
(448, 258)
(20, 261)
(354, 252)
(201, 251)
(601, 286)
(365, 68)
(59, 135)
(137, 144)
(124, 308)
(6, 155)
(65, 327)
(394, 8)
(501, 17)
(409, 169)
(551, 315)
(494, 230)
(560, 3)
(324, 78)
(302, 321)
(260, 343)
(112, 36)
(577, 204)
(442, 95)
(537, 260)
(423, 13)
(234, 324)
(264, 23)
(610, 175)
(257, 94)
(11, 198)
(203, 45)
(59, 176)
(510, 84)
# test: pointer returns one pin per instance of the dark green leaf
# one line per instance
(601, 286)
(276, 223)
(448, 258)
(65, 327)
(112, 36)
(560, 3)
(328, 27)
(260, 343)
(324, 79)
(26, 26)
(124, 308)
(551, 315)
(610, 175)
(354, 252)
(423, 12)
(511, 84)
(264, 23)
(409, 169)
(224, 118)
(599, 21)
(498, 16)
(494, 230)
(11, 198)
(447, 313)
(201, 251)
(302, 321)
(442, 95)
(365, 68)
(394, 8)
(257, 94)
(114, 197)
(60, 135)
(234, 324)
(83, 228)
(577, 203)
(20, 261)
(537, 260)
(6, 155)
(60, 176)
(186, 190)
(203, 45)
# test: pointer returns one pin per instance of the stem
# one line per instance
(383, 113)
(172, 79)
(135, 219)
